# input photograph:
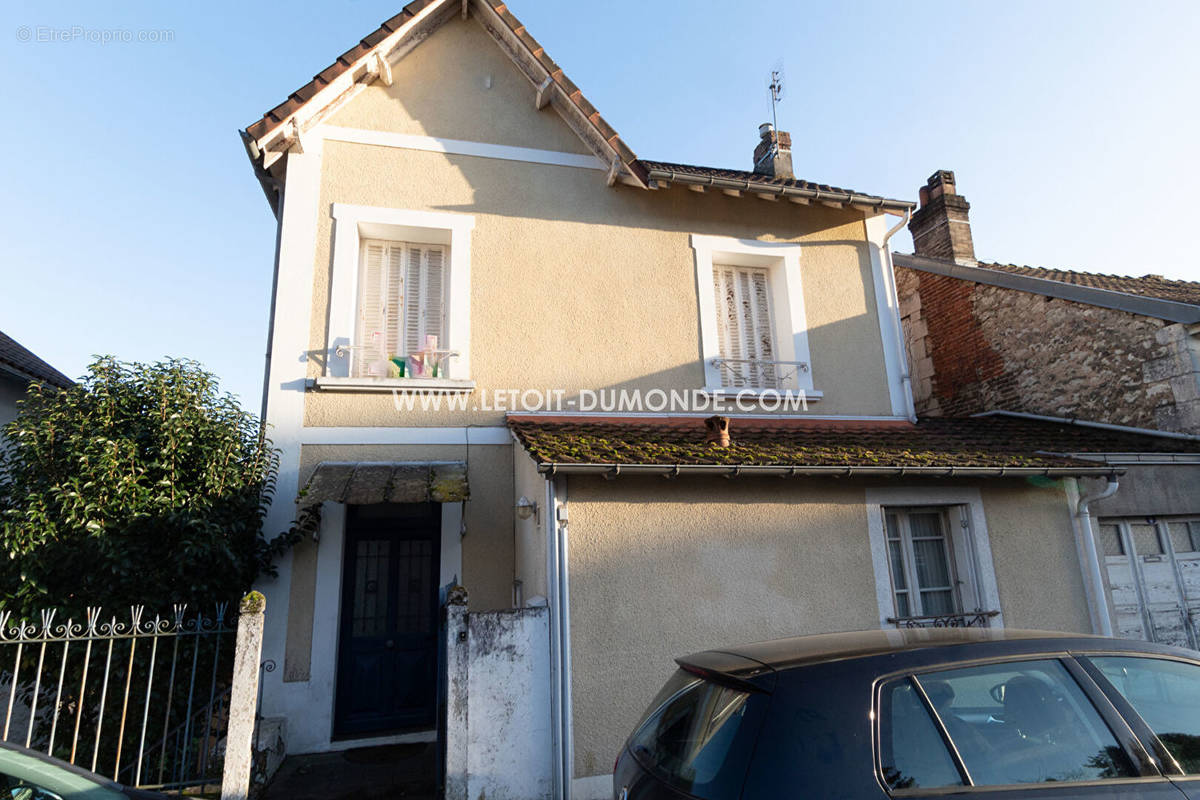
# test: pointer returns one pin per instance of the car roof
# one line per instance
(74, 769)
(796, 651)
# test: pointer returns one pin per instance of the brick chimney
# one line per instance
(773, 155)
(940, 227)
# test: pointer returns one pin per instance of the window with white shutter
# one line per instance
(745, 327)
(401, 300)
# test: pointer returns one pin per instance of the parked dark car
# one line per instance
(922, 713)
(29, 775)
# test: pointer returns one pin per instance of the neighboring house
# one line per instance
(1097, 349)
(18, 368)
(445, 179)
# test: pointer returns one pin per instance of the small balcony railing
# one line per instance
(966, 619)
(755, 373)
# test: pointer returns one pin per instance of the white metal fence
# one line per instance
(142, 700)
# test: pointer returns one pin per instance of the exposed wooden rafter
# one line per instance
(542, 97)
(383, 68)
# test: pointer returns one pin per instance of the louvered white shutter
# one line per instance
(380, 304)
(370, 326)
(743, 302)
(433, 301)
(412, 305)
(424, 309)
(763, 344)
(394, 308)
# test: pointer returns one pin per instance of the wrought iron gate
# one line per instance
(141, 700)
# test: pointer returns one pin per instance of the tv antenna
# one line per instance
(775, 87)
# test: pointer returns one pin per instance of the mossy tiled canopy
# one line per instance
(984, 442)
(368, 482)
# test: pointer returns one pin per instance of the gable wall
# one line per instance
(974, 347)
(575, 285)
(458, 84)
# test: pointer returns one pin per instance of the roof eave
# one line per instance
(613, 470)
(1104, 298)
(862, 202)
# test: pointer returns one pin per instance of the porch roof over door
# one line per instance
(369, 482)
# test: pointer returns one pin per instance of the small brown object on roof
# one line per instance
(1146, 286)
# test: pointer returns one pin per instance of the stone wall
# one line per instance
(974, 347)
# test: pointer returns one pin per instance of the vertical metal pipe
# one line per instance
(187, 720)
(125, 704)
(556, 729)
(37, 687)
(137, 776)
(212, 701)
(12, 693)
(62, 673)
(162, 754)
(103, 698)
(565, 642)
(87, 658)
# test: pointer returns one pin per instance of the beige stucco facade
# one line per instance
(577, 285)
(657, 575)
(574, 285)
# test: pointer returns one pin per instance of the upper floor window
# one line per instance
(752, 325)
(400, 295)
(746, 327)
(401, 308)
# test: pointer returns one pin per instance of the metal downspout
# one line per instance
(1084, 515)
(564, 620)
(906, 374)
(556, 681)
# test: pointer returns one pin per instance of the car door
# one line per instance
(1033, 727)
(1160, 696)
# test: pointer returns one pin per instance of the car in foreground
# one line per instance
(922, 713)
(29, 775)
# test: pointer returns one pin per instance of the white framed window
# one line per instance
(746, 327)
(931, 556)
(401, 302)
(925, 579)
(752, 325)
(399, 277)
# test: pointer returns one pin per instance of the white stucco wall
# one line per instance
(502, 741)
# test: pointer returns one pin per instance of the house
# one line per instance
(1101, 350)
(18, 368)
(668, 402)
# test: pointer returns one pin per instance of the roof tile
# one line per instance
(995, 441)
(1146, 286)
(22, 360)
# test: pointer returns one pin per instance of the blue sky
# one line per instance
(130, 222)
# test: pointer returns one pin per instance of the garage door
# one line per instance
(1154, 577)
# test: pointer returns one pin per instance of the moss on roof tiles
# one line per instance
(977, 442)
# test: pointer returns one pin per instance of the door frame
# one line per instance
(327, 625)
(428, 529)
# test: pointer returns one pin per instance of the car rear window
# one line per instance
(1011, 723)
(698, 735)
(1167, 695)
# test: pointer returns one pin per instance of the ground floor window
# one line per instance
(931, 557)
(924, 578)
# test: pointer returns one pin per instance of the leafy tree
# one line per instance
(142, 484)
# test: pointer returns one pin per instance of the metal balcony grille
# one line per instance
(967, 619)
(756, 373)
